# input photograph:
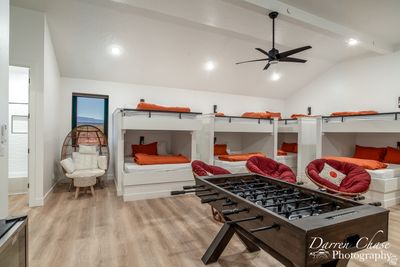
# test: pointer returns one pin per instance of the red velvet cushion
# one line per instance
(149, 149)
(357, 179)
(374, 153)
(269, 167)
(392, 155)
(200, 169)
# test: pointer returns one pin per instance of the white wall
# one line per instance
(4, 62)
(51, 100)
(364, 84)
(128, 95)
(30, 46)
(26, 49)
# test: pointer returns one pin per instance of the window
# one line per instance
(90, 110)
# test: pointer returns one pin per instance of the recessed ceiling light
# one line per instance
(210, 65)
(275, 76)
(352, 42)
(115, 50)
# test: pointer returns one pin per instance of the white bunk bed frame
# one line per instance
(151, 184)
(307, 141)
(234, 124)
(387, 191)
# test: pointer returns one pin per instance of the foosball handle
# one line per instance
(358, 198)
(377, 204)
(233, 211)
(178, 192)
(192, 186)
(300, 183)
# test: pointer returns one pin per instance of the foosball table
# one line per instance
(296, 225)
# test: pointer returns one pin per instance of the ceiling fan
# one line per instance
(273, 55)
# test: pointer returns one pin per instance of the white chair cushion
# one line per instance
(86, 173)
(102, 162)
(85, 149)
(332, 175)
(84, 161)
(68, 165)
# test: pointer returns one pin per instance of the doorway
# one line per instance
(18, 134)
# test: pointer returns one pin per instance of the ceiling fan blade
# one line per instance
(267, 66)
(263, 51)
(292, 59)
(263, 59)
(293, 51)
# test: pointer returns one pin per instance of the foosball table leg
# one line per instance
(250, 246)
(218, 244)
(222, 239)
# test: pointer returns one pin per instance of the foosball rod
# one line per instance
(289, 202)
(182, 192)
(258, 217)
(186, 187)
(233, 211)
(264, 228)
(208, 200)
(208, 194)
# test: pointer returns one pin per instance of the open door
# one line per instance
(18, 134)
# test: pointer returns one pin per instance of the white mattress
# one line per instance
(131, 166)
(393, 170)
(223, 163)
(289, 156)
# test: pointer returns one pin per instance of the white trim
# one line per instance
(48, 192)
(18, 193)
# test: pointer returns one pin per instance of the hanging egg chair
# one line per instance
(85, 135)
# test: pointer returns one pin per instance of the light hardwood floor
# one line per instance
(105, 231)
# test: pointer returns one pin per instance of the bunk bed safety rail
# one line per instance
(388, 115)
(126, 112)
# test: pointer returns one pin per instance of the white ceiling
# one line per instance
(166, 43)
(374, 17)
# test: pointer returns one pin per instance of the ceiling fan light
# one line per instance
(275, 76)
(352, 42)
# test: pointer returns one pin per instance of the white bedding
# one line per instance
(130, 166)
(288, 156)
(222, 163)
(393, 170)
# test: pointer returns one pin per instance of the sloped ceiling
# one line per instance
(167, 43)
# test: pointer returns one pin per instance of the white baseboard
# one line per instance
(48, 192)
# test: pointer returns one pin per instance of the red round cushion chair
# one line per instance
(269, 167)
(202, 169)
(356, 182)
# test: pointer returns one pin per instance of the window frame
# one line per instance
(75, 109)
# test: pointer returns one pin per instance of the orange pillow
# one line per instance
(374, 153)
(149, 149)
(289, 147)
(392, 155)
(220, 149)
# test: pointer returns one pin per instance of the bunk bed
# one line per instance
(302, 132)
(341, 134)
(241, 135)
(174, 130)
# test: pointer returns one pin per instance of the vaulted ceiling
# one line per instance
(167, 43)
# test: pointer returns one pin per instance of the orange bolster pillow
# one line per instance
(365, 163)
(144, 159)
(148, 106)
(257, 115)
